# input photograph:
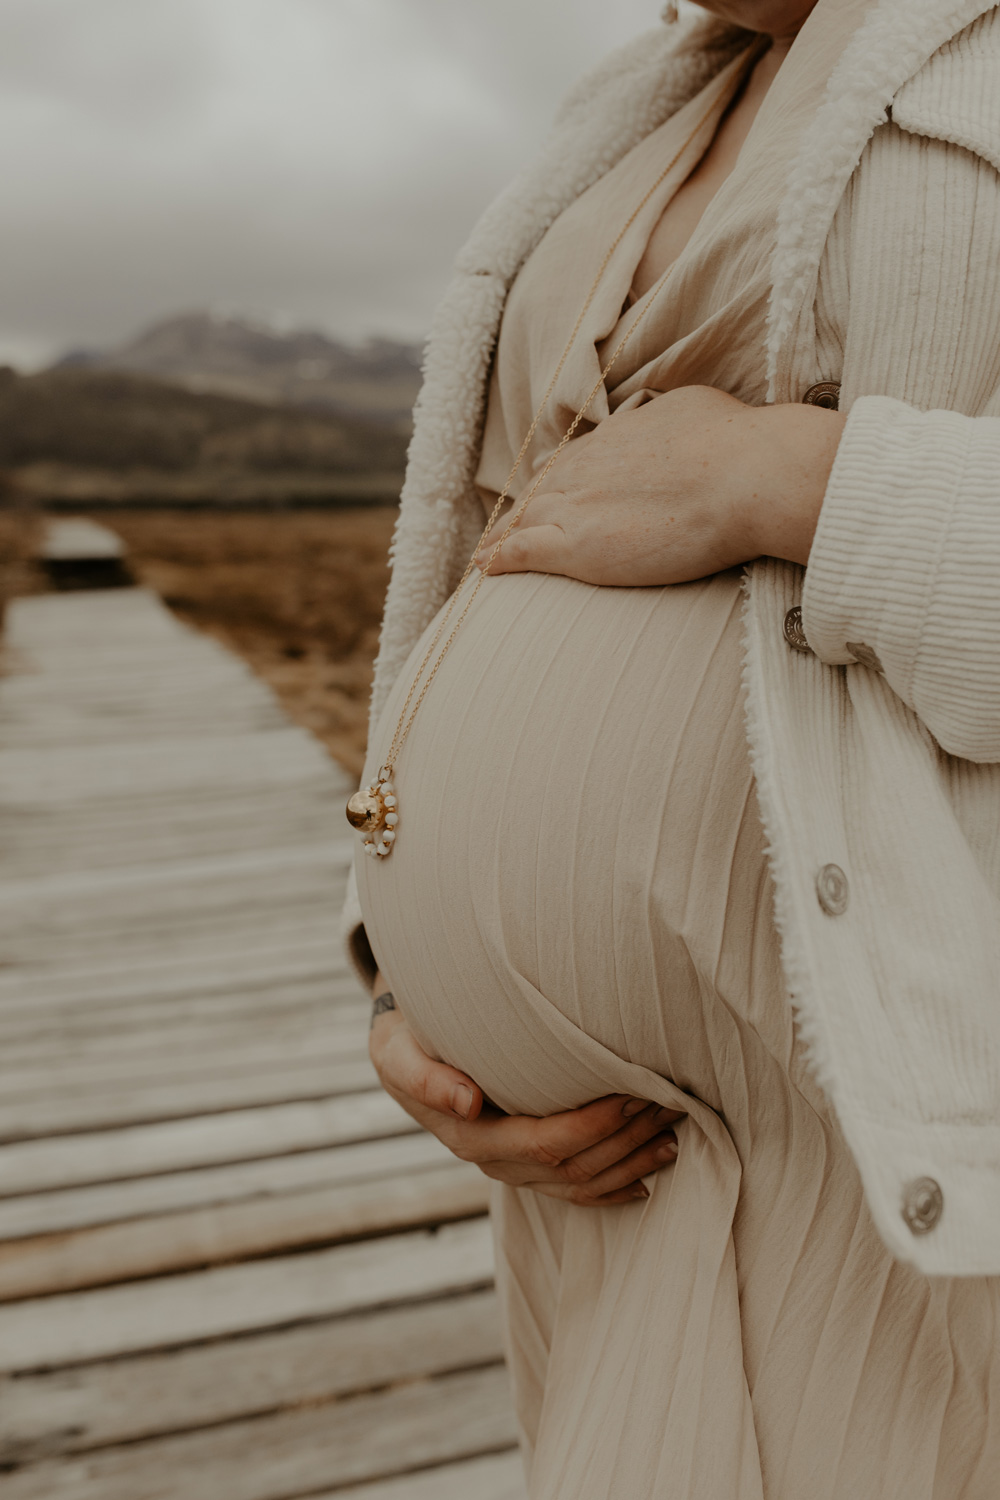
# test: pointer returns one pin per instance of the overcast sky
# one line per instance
(309, 162)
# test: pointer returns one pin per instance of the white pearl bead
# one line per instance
(392, 819)
(387, 786)
(389, 801)
(388, 836)
(383, 849)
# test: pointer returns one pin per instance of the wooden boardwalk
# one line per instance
(230, 1267)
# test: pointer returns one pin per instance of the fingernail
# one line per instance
(632, 1107)
(667, 1151)
(461, 1101)
(640, 1190)
(664, 1116)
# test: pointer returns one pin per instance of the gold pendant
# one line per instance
(374, 813)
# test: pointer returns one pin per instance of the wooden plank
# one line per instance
(335, 1001)
(498, 1476)
(162, 882)
(266, 958)
(221, 1022)
(133, 615)
(205, 1140)
(107, 719)
(252, 1055)
(39, 1213)
(151, 933)
(150, 941)
(34, 850)
(200, 1305)
(79, 538)
(182, 815)
(274, 757)
(185, 812)
(90, 925)
(293, 1452)
(67, 1112)
(116, 1401)
(32, 1066)
(225, 1232)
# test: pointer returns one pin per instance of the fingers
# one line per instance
(621, 1147)
(412, 1077)
(528, 549)
(558, 1138)
(523, 1151)
(659, 1152)
(621, 1183)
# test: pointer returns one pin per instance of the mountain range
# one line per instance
(228, 356)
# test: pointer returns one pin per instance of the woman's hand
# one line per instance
(594, 1156)
(689, 484)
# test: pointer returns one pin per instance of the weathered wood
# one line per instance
(182, 1053)
(251, 1055)
(293, 1452)
(200, 1141)
(69, 899)
(213, 1262)
(137, 616)
(78, 538)
(69, 1111)
(338, 1004)
(296, 949)
(199, 934)
(116, 1401)
(38, 1213)
(225, 1232)
(200, 1305)
(274, 757)
(498, 1476)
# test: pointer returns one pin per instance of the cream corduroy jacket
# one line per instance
(891, 775)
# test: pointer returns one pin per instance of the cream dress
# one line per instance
(578, 903)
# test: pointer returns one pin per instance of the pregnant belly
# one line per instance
(578, 846)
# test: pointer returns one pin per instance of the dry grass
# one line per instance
(298, 594)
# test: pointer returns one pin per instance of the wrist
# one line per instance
(799, 445)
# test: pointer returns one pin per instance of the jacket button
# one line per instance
(792, 630)
(864, 655)
(923, 1205)
(831, 890)
(825, 393)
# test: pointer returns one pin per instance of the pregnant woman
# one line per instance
(682, 815)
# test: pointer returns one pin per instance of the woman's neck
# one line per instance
(766, 69)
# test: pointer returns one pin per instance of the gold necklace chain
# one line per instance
(374, 811)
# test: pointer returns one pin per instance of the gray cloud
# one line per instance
(309, 161)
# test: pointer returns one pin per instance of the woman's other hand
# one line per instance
(689, 484)
(594, 1156)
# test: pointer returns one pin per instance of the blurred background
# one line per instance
(230, 1268)
(226, 225)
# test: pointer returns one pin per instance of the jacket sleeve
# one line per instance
(905, 563)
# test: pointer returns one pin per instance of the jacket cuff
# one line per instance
(882, 531)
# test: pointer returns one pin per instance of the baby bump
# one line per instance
(579, 862)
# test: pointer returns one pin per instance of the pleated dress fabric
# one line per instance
(578, 903)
